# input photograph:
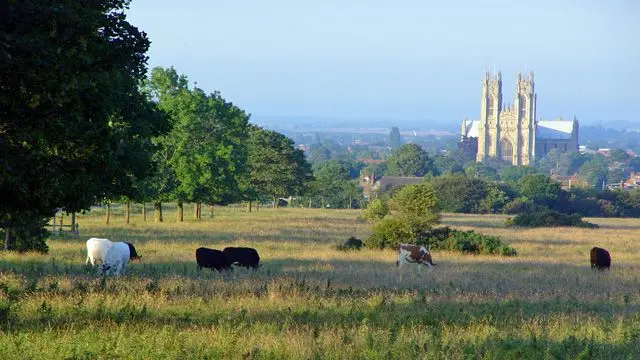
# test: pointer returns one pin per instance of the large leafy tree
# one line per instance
(277, 167)
(409, 160)
(204, 156)
(74, 127)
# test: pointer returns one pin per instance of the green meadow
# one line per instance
(311, 301)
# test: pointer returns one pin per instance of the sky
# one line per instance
(402, 60)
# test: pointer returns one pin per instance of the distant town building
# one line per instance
(510, 131)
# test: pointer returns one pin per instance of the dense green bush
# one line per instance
(443, 238)
(466, 242)
(549, 218)
(388, 234)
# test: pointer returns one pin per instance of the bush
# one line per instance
(388, 234)
(376, 210)
(27, 233)
(466, 242)
(351, 243)
(444, 238)
(520, 205)
(549, 218)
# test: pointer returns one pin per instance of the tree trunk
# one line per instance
(275, 202)
(249, 206)
(7, 238)
(107, 216)
(144, 212)
(309, 203)
(197, 211)
(74, 227)
(180, 211)
(62, 221)
(157, 212)
(127, 212)
(257, 205)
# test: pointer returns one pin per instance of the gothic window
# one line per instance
(545, 148)
(523, 146)
(506, 150)
(490, 104)
(523, 106)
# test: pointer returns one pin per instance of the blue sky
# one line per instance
(402, 59)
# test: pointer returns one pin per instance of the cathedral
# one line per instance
(510, 131)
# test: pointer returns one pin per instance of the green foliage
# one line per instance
(409, 160)
(594, 172)
(458, 193)
(519, 205)
(334, 186)
(74, 126)
(204, 156)
(27, 233)
(277, 168)
(539, 188)
(376, 210)
(417, 206)
(549, 218)
(513, 174)
(466, 242)
(389, 233)
(415, 211)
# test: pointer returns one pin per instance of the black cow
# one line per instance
(243, 256)
(133, 254)
(600, 259)
(212, 259)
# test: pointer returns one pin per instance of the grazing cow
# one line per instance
(600, 259)
(133, 254)
(97, 250)
(116, 260)
(242, 256)
(414, 254)
(212, 259)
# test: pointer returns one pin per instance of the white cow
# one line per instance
(117, 259)
(97, 250)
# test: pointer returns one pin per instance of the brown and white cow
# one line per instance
(414, 254)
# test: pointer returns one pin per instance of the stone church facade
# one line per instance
(510, 131)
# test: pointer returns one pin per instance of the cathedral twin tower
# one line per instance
(510, 132)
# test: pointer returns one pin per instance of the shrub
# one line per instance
(351, 243)
(520, 205)
(388, 233)
(466, 242)
(376, 210)
(417, 207)
(549, 218)
(443, 238)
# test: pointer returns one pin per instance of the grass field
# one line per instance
(311, 301)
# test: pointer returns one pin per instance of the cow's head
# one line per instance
(105, 269)
(426, 259)
(133, 254)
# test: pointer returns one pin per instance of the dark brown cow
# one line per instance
(414, 254)
(600, 259)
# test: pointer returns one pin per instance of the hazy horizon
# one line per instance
(404, 61)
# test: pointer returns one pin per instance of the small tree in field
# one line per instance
(416, 206)
(376, 210)
(414, 212)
